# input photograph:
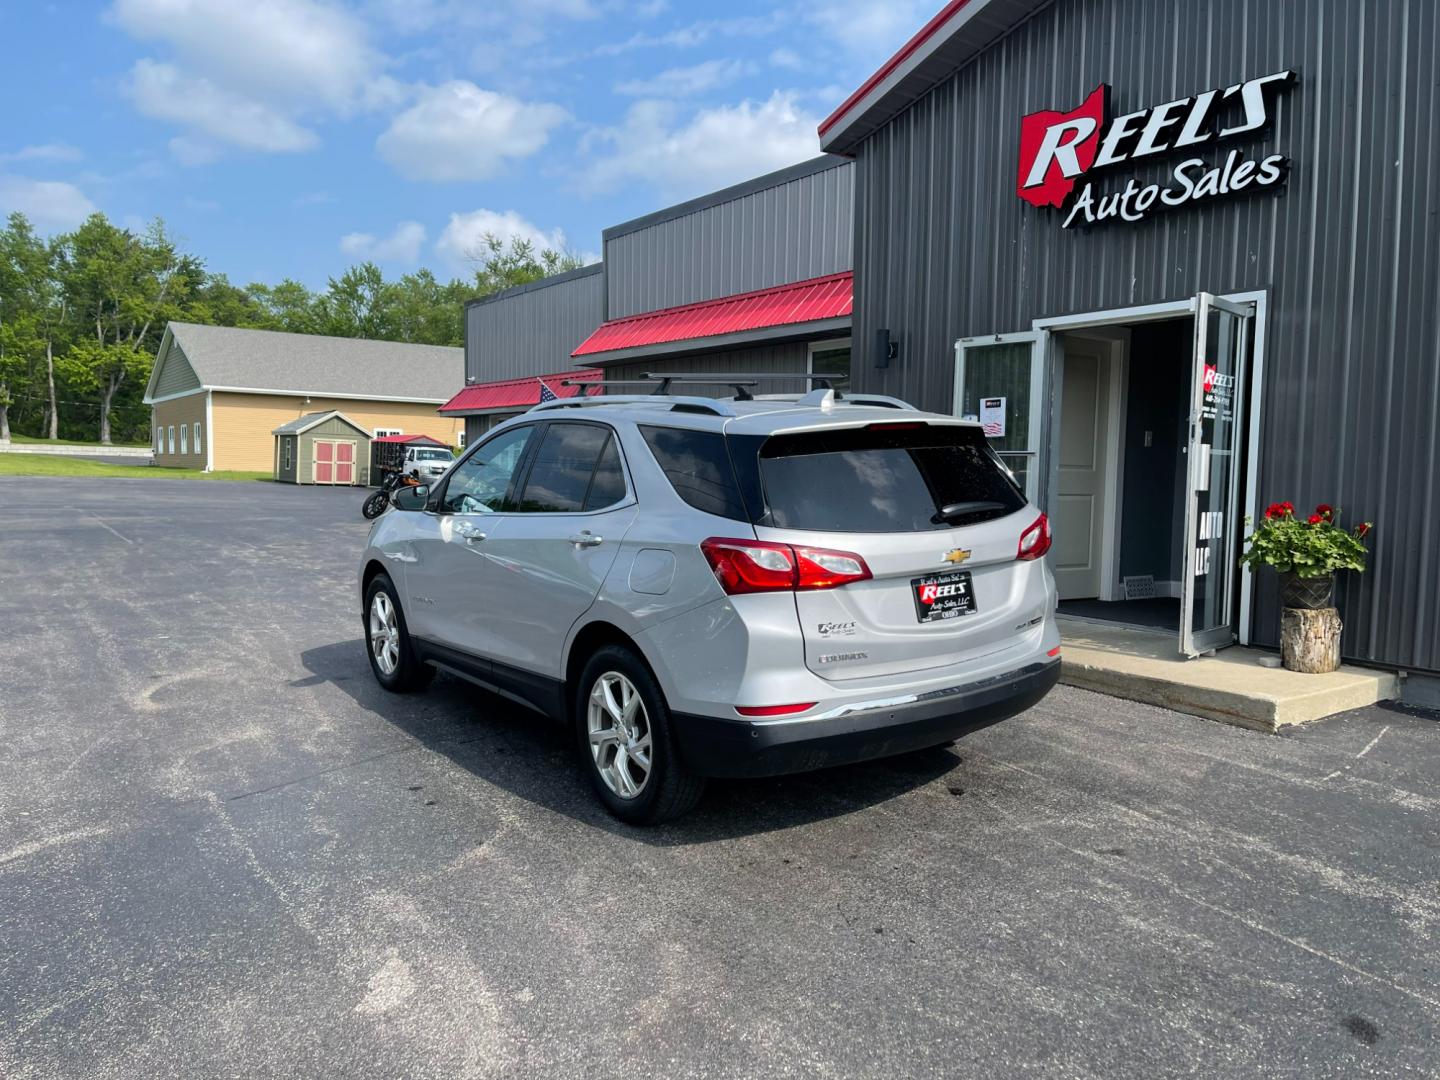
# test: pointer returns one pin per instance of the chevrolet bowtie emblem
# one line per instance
(956, 556)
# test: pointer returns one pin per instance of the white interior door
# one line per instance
(1000, 380)
(1081, 510)
(1213, 452)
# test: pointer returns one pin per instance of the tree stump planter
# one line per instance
(1310, 639)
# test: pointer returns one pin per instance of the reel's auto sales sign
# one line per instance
(1060, 150)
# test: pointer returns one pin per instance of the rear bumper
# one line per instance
(712, 746)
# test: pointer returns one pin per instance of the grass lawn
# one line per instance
(45, 465)
(17, 439)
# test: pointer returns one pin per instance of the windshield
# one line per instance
(885, 478)
(434, 455)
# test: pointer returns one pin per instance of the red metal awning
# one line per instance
(517, 394)
(784, 305)
(430, 440)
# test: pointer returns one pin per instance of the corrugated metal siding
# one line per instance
(796, 230)
(944, 249)
(772, 359)
(532, 332)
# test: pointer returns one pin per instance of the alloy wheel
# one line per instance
(619, 730)
(384, 634)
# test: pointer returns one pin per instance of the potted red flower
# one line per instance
(1307, 552)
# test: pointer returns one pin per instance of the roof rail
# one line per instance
(676, 402)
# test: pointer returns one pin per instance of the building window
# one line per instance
(172, 438)
(831, 358)
(460, 440)
(184, 438)
(159, 439)
(198, 446)
(382, 431)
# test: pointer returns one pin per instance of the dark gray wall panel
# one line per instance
(773, 359)
(795, 230)
(1348, 251)
(532, 331)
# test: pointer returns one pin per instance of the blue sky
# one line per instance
(290, 138)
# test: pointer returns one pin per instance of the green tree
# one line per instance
(355, 304)
(123, 288)
(33, 308)
(216, 302)
(290, 306)
(500, 266)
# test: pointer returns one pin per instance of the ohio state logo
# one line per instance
(1058, 150)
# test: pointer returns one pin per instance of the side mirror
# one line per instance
(411, 498)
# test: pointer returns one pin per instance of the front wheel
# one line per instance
(387, 641)
(375, 505)
(623, 725)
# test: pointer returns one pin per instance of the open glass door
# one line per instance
(999, 381)
(1213, 453)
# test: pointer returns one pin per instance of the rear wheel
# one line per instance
(623, 725)
(387, 641)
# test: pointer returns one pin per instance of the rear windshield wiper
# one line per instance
(954, 510)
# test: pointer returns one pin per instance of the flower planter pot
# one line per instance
(1307, 593)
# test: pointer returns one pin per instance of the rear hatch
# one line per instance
(937, 520)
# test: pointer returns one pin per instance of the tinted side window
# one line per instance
(607, 487)
(479, 484)
(885, 480)
(697, 465)
(563, 467)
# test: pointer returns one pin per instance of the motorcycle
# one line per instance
(376, 504)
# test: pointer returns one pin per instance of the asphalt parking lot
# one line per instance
(225, 852)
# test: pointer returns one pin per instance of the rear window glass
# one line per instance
(560, 477)
(698, 467)
(895, 480)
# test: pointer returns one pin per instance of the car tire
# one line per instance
(387, 640)
(614, 677)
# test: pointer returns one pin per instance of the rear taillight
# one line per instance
(750, 566)
(1035, 540)
(774, 710)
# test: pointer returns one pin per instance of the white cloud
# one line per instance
(465, 233)
(45, 152)
(716, 147)
(401, 246)
(50, 204)
(788, 59)
(682, 81)
(165, 92)
(288, 53)
(874, 28)
(697, 33)
(458, 131)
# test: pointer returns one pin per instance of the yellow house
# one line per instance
(219, 393)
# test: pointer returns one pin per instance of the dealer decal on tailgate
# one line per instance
(942, 596)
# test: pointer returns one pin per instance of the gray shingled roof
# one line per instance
(309, 363)
(309, 420)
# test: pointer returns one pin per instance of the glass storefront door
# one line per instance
(1213, 454)
(999, 382)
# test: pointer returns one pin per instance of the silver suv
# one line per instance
(705, 588)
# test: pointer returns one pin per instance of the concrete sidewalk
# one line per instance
(1231, 686)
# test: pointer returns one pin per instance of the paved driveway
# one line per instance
(224, 852)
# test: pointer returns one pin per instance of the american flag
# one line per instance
(546, 394)
(992, 428)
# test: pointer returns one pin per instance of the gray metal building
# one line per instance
(519, 335)
(1185, 259)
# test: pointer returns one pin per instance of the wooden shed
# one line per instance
(322, 448)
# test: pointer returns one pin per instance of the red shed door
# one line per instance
(324, 461)
(344, 463)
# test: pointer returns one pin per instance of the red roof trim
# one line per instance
(828, 297)
(408, 439)
(517, 393)
(907, 50)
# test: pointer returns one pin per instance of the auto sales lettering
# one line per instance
(1059, 150)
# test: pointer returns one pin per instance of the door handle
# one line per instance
(470, 532)
(587, 539)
